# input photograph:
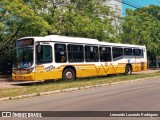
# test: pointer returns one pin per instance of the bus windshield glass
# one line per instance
(24, 57)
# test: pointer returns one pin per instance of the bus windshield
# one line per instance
(24, 57)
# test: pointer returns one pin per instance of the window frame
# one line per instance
(105, 53)
(94, 53)
(63, 58)
(127, 53)
(51, 49)
(137, 55)
(78, 52)
(122, 53)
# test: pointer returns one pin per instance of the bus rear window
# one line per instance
(25, 42)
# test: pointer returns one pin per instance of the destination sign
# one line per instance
(24, 42)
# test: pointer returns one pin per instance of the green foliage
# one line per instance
(81, 18)
(142, 27)
(18, 20)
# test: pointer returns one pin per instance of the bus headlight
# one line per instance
(13, 71)
(29, 70)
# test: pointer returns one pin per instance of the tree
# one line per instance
(142, 27)
(79, 18)
(18, 20)
(82, 18)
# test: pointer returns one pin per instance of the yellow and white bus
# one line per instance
(68, 58)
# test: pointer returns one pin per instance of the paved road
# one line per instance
(135, 96)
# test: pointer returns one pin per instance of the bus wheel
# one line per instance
(68, 74)
(128, 70)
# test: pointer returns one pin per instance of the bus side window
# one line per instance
(137, 52)
(128, 51)
(91, 54)
(105, 54)
(43, 54)
(117, 53)
(60, 53)
(75, 53)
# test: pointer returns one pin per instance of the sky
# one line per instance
(138, 3)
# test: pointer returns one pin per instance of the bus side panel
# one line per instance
(120, 68)
(135, 67)
(86, 70)
(47, 74)
(114, 69)
(93, 70)
(54, 74)
(39, 71)
(139, 66)
(144, 66)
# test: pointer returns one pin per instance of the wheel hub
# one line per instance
(69, 75)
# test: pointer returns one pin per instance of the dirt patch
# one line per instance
(147, 71)
(8, 84)
(4, 84)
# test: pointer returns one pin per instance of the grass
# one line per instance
(59, 85)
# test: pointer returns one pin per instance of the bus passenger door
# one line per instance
(39, 67)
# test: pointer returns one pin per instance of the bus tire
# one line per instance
(128, 70)
(69, 74)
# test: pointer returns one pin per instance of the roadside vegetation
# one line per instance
(59, 85)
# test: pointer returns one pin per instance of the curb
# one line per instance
(49, 92)
(72, 89)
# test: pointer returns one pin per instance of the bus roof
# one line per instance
(85, 41)
(71, 39)
(67, 39)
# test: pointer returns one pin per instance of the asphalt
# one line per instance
(132, 96)
(8, 83)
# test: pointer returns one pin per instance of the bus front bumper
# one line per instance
(23, 77)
